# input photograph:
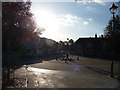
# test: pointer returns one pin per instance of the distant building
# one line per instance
(40, 47)
(89, 46)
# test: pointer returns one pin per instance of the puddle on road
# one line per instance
(43, 71)
(46, 71)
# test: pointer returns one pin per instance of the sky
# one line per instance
(72, 20)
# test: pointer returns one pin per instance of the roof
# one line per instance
(84, 40)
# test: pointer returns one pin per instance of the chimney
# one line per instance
(101, 36)
(95, 35)
(119, 9)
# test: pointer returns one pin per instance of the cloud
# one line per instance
(72, 20)
(90, 8)
(68, 19)
(90, 19)
(85, 23)
(100, 2)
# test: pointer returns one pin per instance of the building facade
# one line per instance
(40, 47)
(91, 47)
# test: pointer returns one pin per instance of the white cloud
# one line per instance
(72, 20)
(90, 19)
(100, 2)
(90, 8)
(68, 20)
(85, 23)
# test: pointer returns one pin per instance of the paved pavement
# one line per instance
(82, 73)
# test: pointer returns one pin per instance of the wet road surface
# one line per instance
(79, 76)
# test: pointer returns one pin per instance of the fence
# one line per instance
(7, 75)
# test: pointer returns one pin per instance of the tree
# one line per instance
(112, 33)
(39, 30)
(62, 45)
(115, 32)
(71, 41)
(18, 24)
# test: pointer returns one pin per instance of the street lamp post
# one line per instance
(113, 10)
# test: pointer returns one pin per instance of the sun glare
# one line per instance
(47, 20)
(43, 18)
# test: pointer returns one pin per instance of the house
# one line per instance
(90, 47)
(49, 46)
(40, 47)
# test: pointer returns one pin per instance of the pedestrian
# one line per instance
(65, 60)
(61, 56)
(67, 56)
(77, 58)
(57, 56)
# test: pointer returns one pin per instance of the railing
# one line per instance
(7, 75)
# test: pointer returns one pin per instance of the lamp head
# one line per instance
(113, 9)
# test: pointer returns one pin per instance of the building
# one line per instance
(90, 47)
(40, 47)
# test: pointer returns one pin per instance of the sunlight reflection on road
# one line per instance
(45, 78)
(37, 70)
(41, 78)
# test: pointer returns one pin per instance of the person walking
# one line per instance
(77, 58)
(67, 58)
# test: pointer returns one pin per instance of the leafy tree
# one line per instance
(39, 30)
(112, 30)
(71, 41)
(112, 33)
(62, 45)
(18, 24)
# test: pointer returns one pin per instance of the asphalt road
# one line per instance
(82, 73)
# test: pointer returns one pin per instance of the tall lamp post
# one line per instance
(113, 10)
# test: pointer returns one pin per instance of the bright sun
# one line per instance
(47, 20)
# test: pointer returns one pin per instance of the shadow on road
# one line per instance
(98, 70)
(103, 72)
(19, 62)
